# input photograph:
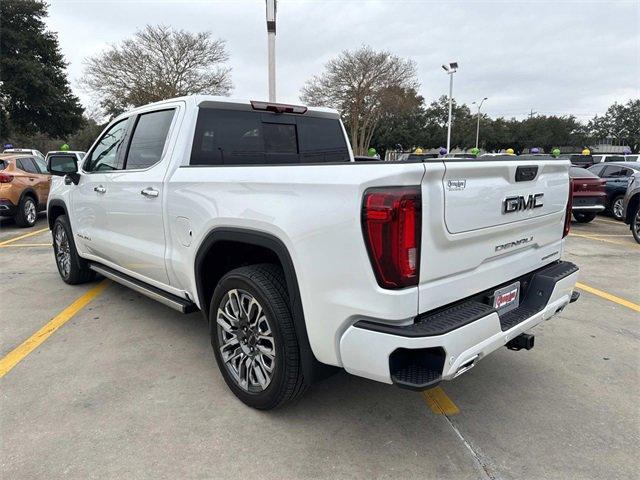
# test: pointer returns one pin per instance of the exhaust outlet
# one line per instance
(522, 341)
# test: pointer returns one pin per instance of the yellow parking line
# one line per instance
(26, 235)
(608, 296)
(439, 402)
(598, 239)
(615, 222)
(35, 340)
(26, 245)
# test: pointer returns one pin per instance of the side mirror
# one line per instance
(64, 166)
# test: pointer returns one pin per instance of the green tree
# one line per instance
(620, 122)
(34, 92)
(403, 126)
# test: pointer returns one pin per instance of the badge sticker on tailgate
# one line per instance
(507, 298)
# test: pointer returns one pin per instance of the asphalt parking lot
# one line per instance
(127, 388)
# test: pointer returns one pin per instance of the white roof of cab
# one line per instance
(231, 104)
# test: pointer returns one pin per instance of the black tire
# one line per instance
(77, 270)
(266, 284)
(27, 213)
(581, 217)
(616, 210)
(635, 224)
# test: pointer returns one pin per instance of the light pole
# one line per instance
(450, 69)
(271, 46)
(478, 126)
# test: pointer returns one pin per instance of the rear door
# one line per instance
(486, 222)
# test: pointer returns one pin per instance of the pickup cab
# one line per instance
(303, 261)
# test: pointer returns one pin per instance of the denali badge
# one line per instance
(519, 202)
(522, 241)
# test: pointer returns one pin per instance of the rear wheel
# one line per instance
(72, 268)
(617, 207)
(635, 224)
(253, 337)
(583, 217)
(27, 212)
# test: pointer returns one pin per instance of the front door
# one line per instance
(129, 199)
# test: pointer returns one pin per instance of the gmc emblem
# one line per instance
(520, 202)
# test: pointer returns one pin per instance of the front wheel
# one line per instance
(635, 224)
(73, 269)
(584, 217)
(617, 207)
(253, 337)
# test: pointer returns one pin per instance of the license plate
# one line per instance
(507, 298)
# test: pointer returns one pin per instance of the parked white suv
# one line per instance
(304, 261)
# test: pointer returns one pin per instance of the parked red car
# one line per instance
(589, 197)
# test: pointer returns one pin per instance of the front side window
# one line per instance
(41, 165)
(148, 139)
(106, 156)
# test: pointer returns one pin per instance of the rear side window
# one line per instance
(27, 165)
(3, 165)
(613, 158)
(149, 136)
(229, 137)
(613, 171)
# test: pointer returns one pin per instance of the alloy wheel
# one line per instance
(636, 223)
(246, 342)
(63, 252)
(30, 211)
(617, 208)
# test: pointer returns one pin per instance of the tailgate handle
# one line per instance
(526, 173)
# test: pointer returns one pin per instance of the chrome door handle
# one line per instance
(100, 189)
(150, 192)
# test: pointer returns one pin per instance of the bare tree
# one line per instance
(156, 64)
(364, 85)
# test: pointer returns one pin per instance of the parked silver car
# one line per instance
(631, 205)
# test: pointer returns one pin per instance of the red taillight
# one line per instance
(278, 107)
(567, 215)
(6, 178)
(392, 222)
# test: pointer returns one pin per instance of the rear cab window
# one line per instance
(239, 137)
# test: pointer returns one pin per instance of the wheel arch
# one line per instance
(54, 210)
(633, 203)
(29, 192)
(255, 247)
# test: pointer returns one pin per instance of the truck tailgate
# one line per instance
(487, 222)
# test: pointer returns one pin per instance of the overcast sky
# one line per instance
(555, 57)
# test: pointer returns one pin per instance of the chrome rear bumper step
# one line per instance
(172, 301)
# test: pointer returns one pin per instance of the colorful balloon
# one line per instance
(64, 147)
(509, 151)
(555, 152)
(372, 152)
(586, 151)
(443, 151)
(417, 150)
(535, 150)
(475, 151)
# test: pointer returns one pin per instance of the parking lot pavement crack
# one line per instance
(487, 472)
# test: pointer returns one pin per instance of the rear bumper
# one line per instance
(443, 344)
(585, 204)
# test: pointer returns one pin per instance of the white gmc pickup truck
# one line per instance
(304, 261)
